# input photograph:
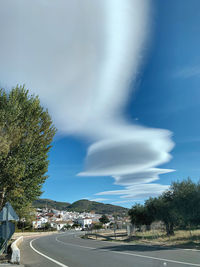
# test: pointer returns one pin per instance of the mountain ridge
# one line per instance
(80, 206)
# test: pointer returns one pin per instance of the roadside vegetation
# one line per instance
(26, 134)
(178, 208)
(171, 219)
(180, 239)
(28, 227)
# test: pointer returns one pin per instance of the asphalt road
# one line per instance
(68, 250)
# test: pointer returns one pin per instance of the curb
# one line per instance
(15, 258)
(11, 265)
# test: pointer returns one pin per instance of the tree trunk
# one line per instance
(2, 198)
(167, 228)
(148, 227)
(171, 229)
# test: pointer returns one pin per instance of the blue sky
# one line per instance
(164, 93)
(168, 96)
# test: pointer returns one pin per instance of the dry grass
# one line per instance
(182, 238)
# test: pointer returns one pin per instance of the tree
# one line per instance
(187, 201)
(47, 226)
(24, 225)
(76, 225)
(179, 206)
(26, 133)
(104, 219)
(140, 215)
(26, 213)
(67, 226)
(163, 208)
(197, 205)
(97, 226)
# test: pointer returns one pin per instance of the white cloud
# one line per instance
(80, 57)
(124, 201)
(73, 55)
(145, 176)
(99, 199)
(135, 149)
(137, 191)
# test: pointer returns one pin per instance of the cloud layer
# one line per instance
(137, 191)
(80, 57)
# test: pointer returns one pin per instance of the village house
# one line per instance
(84, 222)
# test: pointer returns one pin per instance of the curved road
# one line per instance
(68, 250)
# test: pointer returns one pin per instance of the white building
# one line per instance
(60, 224)
(39, 223)
(85, 222)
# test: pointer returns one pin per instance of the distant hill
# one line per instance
(87, 205)
(80, 206)
(50, 204)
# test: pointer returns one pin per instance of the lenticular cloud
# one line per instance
(80, 57)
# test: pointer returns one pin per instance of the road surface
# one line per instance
(69, 250)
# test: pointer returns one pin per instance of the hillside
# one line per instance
(80, 206)
(51, 204)
(87, 205)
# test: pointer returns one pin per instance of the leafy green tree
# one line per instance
(76, 225)
(104, 219)
(26, 133)
(67, 226)
(177, 207)
(196, 218)
(47, 226)
(26, 212)
(187, 201)
(97, 226)
(140, 215)
(24, 225)
(163, 208)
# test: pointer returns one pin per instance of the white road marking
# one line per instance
(192, 249)
(159, 259)
(45, 256)
(131, 254)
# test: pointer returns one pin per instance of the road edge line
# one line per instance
(130, 254)
(45, 256)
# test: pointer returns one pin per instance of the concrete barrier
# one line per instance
(15, 258)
